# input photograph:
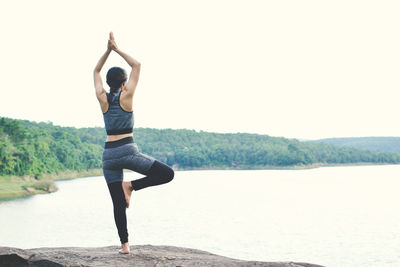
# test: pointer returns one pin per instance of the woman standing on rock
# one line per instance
(120, 150)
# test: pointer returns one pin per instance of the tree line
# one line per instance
(31, 148)
(385, 144)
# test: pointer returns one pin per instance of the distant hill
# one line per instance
(30, 148)
(385, 144)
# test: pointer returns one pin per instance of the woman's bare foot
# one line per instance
(127, 187)
(124, 248)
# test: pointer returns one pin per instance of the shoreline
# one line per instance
(295, 167)
(13, 187)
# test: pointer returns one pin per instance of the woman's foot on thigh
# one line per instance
(127, 188)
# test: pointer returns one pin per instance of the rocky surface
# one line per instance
(141, 255)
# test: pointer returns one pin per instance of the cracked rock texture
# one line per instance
(141, 255)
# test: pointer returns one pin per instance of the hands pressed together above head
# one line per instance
(112, 45)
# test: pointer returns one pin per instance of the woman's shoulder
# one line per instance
(125, 101)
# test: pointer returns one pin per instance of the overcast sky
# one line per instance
(302, 69)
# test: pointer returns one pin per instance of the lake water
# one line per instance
(334, 216)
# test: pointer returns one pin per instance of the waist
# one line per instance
(112, 138)
(119, 142)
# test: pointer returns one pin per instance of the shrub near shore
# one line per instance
(13, 186)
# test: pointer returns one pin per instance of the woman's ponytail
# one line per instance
(111, 93)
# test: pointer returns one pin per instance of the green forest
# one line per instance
(31, 148)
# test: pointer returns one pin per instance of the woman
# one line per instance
(120, 150)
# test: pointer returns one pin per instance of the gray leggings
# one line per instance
(123, 154)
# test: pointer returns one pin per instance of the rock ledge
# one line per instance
(141, 255)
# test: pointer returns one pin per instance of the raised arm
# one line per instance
(101, 94)
(98, 83)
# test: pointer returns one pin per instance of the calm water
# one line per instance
(337, 216)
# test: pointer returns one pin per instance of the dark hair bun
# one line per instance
(115, 77)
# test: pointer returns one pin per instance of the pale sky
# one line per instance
(298, 69)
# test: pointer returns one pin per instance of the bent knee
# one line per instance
(169, 174)
(161, 171)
